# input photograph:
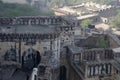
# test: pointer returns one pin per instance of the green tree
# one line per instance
(14, 9)
(29, 1)
(1, 1)
(102, 43)
(104, 1)
(84, 24)
(115, 21)
(73, 2)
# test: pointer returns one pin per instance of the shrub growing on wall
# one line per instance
(102, 43)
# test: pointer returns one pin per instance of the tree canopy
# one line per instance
(29, 1)
(69, 2)
(102, 43)
(104, 1)
(15, 9)
(86, 23)
(115, 21)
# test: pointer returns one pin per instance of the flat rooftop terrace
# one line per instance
(28, 29)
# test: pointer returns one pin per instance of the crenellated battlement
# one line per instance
(30, 20)
(32, 28)
(26, 37)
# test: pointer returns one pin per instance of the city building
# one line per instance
(52, 48)
(88, 10)
(92, 64)
(84, 61)
(26, 40)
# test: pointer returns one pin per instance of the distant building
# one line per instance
(88, 10)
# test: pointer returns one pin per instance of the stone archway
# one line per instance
(30, 58)
(63, 73)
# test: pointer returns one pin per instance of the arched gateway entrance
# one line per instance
(63, 72)
(30, 58)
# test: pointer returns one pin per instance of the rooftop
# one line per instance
(87, 16)
(84, 8)
(116, 50)
(75, 49)
(28, 29)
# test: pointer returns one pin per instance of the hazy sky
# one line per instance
(19, 1)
